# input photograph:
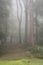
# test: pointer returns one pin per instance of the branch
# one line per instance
(24, 3)
(21, 11)
(17, 10)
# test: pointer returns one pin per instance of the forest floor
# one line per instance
(14, 53)
(18, 56)
(22, 62)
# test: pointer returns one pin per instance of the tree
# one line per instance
(19, 18)
(4, 14)
(31, 22)
(40, 42)
(25, 2)
(38, 9)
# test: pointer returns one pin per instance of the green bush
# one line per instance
(37, 52)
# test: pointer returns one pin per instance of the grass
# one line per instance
(23, 62)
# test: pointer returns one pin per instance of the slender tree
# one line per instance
(31, 23)
(19, 18)
(4, 13)
(25, 2)
(38, 9)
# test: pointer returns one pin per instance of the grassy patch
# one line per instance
(23, 62)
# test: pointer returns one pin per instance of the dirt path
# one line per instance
(14, 53)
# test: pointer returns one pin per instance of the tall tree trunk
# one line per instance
(19, 19)
(36, 29)
(20, 32)
(31, 30)
(31, 24)
(26, 24)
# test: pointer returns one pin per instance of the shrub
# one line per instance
(37, 52)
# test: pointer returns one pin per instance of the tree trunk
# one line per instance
(31, 24)
(26, 20)
(20, 32)
(36, 29)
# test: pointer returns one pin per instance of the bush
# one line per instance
(37, 52)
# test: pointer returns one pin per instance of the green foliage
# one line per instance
(37, 52)
(23, 62)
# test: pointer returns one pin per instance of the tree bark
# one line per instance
(19, 19)
(19, 32)
(31, 24)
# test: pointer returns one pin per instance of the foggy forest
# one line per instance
(21, 32)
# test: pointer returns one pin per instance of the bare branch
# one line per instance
(21, 11)
(17, 10)
(19, 19)
(24, 3)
